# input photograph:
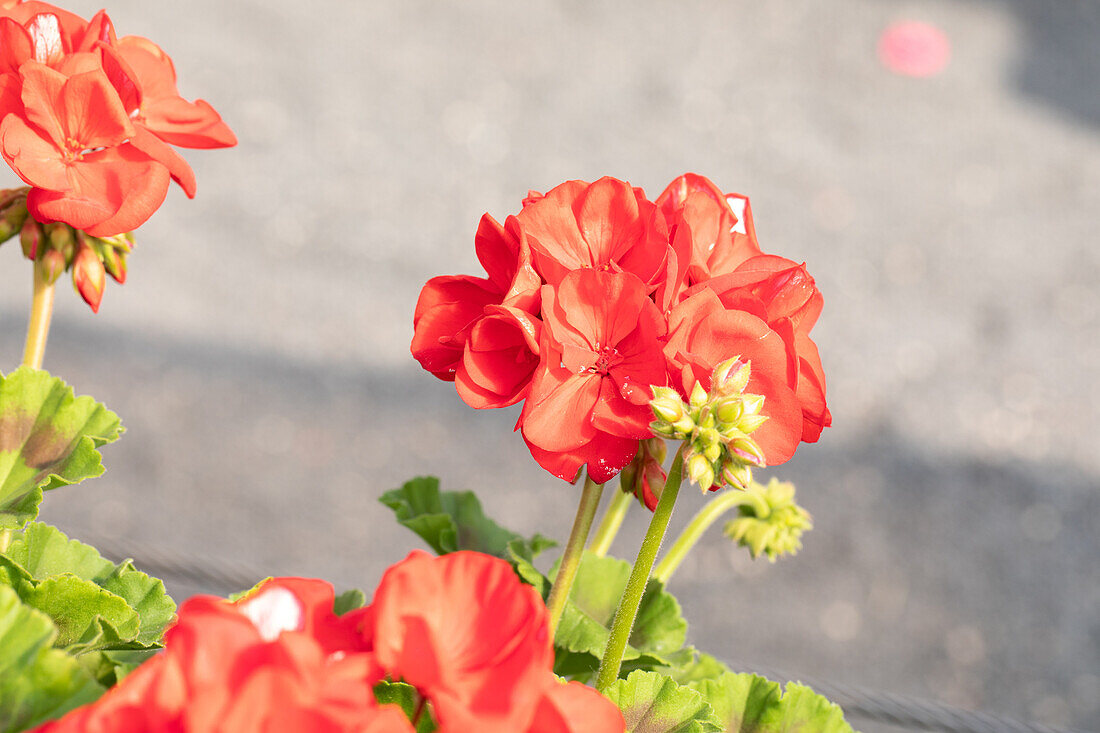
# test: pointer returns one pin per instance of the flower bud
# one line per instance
(51, 266)
(729, 410)
(684, 426)
(748, 450)
(737, 474)
(114, 262)
(700, 471)
(30, 237)
(749, 423)
(753, 403)
(698, 395)
(89, 277)
(12, 216)
(61, 237)
(730, 377)
(668, 409)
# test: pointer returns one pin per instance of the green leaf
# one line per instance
(454, 520)
(522, 553)
(88, 618)
(748, 703)
(448, 521)
(37, 682)
(700, 667)
(48, 438)
(408, 699)
(349, 600)
(43, 552)
(659, 629)
(653, 703)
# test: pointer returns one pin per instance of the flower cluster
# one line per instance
(595, 295)
(461, 629)
(89, 119)
(769, 520)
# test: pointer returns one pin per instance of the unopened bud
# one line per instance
(668, 409)
(30, 237)
(61, 238)
(123, 242)
(684, 425)
(114, 262)
(730, 377)
(51, 266)
(656, 449)
(698, 395)
(749, 423)
(748, 450)
(661, 429)
(730, 409)
(753, 403)
(700, 471)
(12, 216)
(737, 474)
(89, 277)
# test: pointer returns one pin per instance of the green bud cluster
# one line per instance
(770, 521)
(715, 426)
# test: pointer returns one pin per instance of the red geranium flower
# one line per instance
(783, 294)
(450, 306)
(499, 357)
(575, 708)
(606, 225)
(468, 634)
(76, 154)
(280, 659)
(589, 402)
(721, 238)
(88, 119)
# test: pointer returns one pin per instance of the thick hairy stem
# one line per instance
(632, 598)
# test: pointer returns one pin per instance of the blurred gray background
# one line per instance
(259, 353)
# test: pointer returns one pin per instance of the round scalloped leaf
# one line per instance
(653, 703)
(48, 438)
(37, 682)
(659, 629)
(748, 703)
(88, 618)
(43, 551)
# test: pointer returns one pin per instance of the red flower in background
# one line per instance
(482, 656)
(89, 119)
(460, 628)
(280, 659)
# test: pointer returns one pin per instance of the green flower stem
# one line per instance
(574, 548)
(632, 598)
(5, 540)
(39, 325)
(611, 522)
(699, 524)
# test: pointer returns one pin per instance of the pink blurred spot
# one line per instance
(913, 48)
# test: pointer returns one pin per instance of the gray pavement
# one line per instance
(259, 353)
